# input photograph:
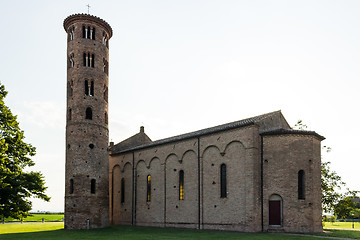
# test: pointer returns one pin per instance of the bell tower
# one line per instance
(87, 134)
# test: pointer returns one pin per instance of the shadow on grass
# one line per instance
(146, 233)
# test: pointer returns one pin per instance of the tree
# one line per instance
(16, 185)
(347, 208)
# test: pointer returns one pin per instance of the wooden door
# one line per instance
(275, 212)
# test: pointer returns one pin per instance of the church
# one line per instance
(252, 175)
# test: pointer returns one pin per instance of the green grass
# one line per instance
(30, 227)
(342, 225)
(54, 231)
(39, 217)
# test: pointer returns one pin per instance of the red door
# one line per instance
(274, 212)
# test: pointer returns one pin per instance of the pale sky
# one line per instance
(181, 66)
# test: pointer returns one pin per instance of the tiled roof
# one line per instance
(292, 131)
(206, 131)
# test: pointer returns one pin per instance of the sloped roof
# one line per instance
(138, 139)
(207, 131)
(292, 131)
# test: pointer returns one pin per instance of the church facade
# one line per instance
(256, 174)
(252, 175)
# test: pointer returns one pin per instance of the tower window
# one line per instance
(105, 93)
(89, 88)
(223, 192)
(70, 88)
(71, 34)
(301, 184)
(106, 118)
(69, 114)
(105, 40)
(106, 66)
(181, 185)
(71, 190)
(122, 197)
(148, 188)
(89, 60)
(93, 183)
(88, 113)
(71, 60)
(88, 32)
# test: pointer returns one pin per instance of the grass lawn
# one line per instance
(54, 231)
(39, 217)
(342, 225)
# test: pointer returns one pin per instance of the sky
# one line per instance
(181, 66)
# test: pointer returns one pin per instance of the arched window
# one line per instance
(88, 113)
(122, 190)
(301, 184)
(89, 60)
(223, 192)
(106, 118)
(71, 186)
(88, 32)
(93, 183)
(148, 188)
(181, 185)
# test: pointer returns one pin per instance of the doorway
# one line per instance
(275, 210)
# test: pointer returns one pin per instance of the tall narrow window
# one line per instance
(105, 39)
(148, 188)
(106, 118)
(86, 88)
(122, 197)
(85, 59)
(69, 116)
(71, 186)
(71, 34)
(93, 183)
(93, 34)
(84, 30)
(181, 185)
(223, 192)
(106, 66)
(92, 88)
(105, 93)
(88, 113)
(71, 60)
(301, 184)
(92, 60)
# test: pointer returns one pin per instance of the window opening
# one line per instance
(71, 186)
(69, 116)
(71, 60)
(106, 66)
(181, 185)
(148, 188)
(86, 88)
(88, 113)
(105, 93)
(71, 33)
(92, 60)
(223, 192)
(92, 88)
(122, 197)
(106, 118)
(301, 184)
(93, 183)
